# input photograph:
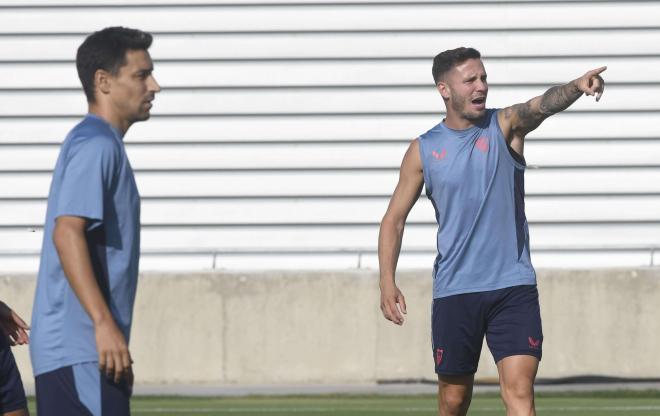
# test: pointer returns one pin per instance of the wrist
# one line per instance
(386, 281)
(101, 318)
(575, 86)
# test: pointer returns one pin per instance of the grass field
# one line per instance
(565, 404)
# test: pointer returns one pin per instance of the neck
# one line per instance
(111, 117)
(454, 121)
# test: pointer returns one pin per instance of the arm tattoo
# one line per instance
(554, 100)
(528, 119)
(558, 99)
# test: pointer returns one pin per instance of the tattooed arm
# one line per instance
(519, 119)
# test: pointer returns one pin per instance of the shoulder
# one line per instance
(500, 120)
(92, 149)
(492, 114)
(415, 144)
(413, 156)
(433, 132)
(93, 137)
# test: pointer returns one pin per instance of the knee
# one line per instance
(454, 403)
(517, 393)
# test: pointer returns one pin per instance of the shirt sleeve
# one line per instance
(87, 179)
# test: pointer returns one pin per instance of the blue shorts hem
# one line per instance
(500, 357)
(23, 405)
(456, 373)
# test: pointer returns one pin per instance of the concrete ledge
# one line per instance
(309, 327)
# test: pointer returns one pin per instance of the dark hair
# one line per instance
(106, 49)
(444, 61)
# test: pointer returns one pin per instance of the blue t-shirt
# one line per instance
(477, 189)
(92, 179)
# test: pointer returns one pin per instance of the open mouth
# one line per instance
(479, 102)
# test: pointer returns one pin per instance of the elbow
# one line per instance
(393, 223)
(59, 235)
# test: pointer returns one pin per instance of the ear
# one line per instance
(444, 90)
(102, 81)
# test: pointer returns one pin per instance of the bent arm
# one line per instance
(520, 119)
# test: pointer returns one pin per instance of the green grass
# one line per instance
(548, 404)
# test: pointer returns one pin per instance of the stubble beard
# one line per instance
(459, 106)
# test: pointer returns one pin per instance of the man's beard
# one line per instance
(459, 107)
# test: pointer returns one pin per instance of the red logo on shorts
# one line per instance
(534, 343)
(438, 356)
(440, 155)
(482, 144)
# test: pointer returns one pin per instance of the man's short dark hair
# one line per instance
(444, 61)
(106, 49)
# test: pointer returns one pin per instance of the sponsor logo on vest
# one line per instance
(438, 356)
(482, 144)
(440, 155)
(534, 343)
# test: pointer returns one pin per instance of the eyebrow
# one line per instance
(145, 71)
(475, 76)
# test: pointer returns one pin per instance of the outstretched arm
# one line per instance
(411, 180)
(519, 119)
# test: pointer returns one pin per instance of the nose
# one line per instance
(153, 84)
(482, 85)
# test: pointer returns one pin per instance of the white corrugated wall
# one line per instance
(277, 138)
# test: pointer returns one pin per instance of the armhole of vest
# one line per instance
(425, 173)
(502, 141)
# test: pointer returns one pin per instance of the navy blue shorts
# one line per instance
(81, 390)
(510, 319)
(12, 395)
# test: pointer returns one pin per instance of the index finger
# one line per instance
(402, 303)
(102, 362)
(126, 361)
(119, 366)
(385, 308)
(597, 71)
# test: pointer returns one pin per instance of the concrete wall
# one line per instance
(297, 327)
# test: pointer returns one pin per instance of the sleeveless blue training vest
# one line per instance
(477, 189)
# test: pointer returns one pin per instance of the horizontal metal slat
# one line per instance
(335, 128)
(331, 17)
(418, 236)
(413, 72)
(347, 210)
(222, 184)
(316, 261)
(324, 128)
(583, 43)
(340, 155)
(195, 3)
(319, 101)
